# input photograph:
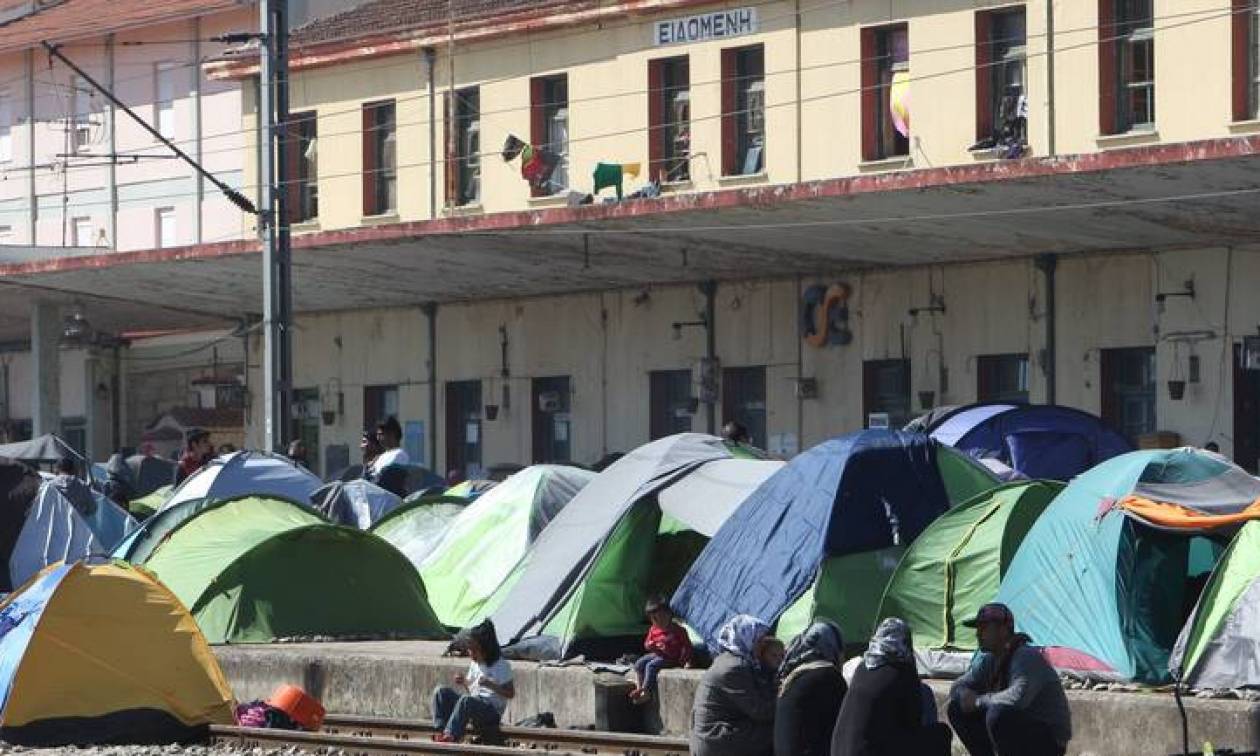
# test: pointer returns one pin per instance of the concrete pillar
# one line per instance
(46, 368)
(91, 406)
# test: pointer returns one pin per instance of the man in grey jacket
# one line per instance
(1010, 703)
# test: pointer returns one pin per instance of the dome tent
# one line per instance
(246, 472)
(355, 503)
(1045, 442)
(257, 570)
(56, 530)
(822, 536)
(956, 565)
(1105, 577)
(485, 541)
(19, 485)
(101, 653)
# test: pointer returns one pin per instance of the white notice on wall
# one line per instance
(735, 22)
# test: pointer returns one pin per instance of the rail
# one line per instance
(378, 735)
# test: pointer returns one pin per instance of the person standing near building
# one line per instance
(388, 468)
(1011, 702)
(198, 450)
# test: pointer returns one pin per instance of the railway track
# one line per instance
(375, 735)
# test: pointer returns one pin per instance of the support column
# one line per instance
(46, 372)
(90, 405)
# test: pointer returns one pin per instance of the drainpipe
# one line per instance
(1050, 131)
(1046, 264)
(800, 365)
(430, 313)
(709, 290)
(112, 171)
(800, 171)
(430, 61)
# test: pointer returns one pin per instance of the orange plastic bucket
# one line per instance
(301, 708)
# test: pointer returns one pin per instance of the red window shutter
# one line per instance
(984, 75)
(870, 95)
(537, 117)
(730, 119)
(1108, 71)
(369, 160)
(656, 120)
(451, 162)
(1240, 52)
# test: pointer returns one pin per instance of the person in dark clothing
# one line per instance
(735, 433)
(811, 689)
(882, 713)
(735, 703)
(1010, 703)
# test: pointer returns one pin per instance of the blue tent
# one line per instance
(1041, 442)
(855, 494)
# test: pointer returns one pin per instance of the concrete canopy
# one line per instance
(1187, 195)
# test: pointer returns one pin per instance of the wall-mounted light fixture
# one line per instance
(1187, 290)
(936, 304)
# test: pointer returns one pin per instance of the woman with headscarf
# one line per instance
(811, 688)
(734, 707)
(882, 713)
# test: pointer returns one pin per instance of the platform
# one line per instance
(396, 678)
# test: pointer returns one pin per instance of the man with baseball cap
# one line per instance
(1010, 703)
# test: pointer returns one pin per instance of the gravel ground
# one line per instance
(7, 750)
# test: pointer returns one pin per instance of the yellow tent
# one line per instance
(104, 653)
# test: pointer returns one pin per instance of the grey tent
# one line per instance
(149, 473)
(19, 485)
(46, 448)
(564, 551)
(356, 503)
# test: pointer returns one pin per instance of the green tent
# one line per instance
(850, 587)
(1219, 646)
(416, 528)
(254, 570)
(145, 506)
(956, 565)
(484, 543)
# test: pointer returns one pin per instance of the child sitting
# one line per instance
(667, 645)
(487, 686)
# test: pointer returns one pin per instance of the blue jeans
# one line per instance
(647, 667)
(454, 711)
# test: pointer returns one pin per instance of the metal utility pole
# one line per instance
(273, 137)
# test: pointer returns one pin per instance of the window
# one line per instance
(463, 427)
(885, 74)
(743, 110)
(1127, 65)
(549, 127)
(553, 423)
(380, 166)
(1245, 20)
(670, 402)
(744, 400)
(463, 166)
(669, 118)
(164, 99)
(81, 232)
(302, 164)
(6, 234)
(379, 403)
(1001, 71)
(306, 411)
(1002, 378)
(1128, 390)
(886, 391)
(82, 117)
(167, 235)
(6, 127)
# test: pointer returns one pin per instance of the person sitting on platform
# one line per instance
(666, 644)
(487, 686)
(734, 705)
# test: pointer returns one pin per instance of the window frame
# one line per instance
(1120, 34)
(463, 162)
(549, 107)
(879, 66)
(669, 140)
(159, 214)
(873, 393)
(380, 182)
(76, 239)
(743, 95)
(990, 368)
(994, 56)
(302, 167)
(6, 126)
(164, 73)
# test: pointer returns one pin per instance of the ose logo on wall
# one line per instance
(717, 25)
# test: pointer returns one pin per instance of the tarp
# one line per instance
(1219, 646)
(256, 570)
(562, 554)
(245, 473)
(1038, 441)
(956, 565)
(356, 503)
(55, 530)
(149, 473)
(103, 653)
(46, 448)
(857, 493)
(1093, 578)
(486, 540)
(19, 485)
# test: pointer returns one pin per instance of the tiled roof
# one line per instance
(377, 17)
(72, 20)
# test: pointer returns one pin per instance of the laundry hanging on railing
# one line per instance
(537, 163)
(899, 102)
(613, 174)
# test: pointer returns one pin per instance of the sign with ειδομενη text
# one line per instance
(717, 25)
